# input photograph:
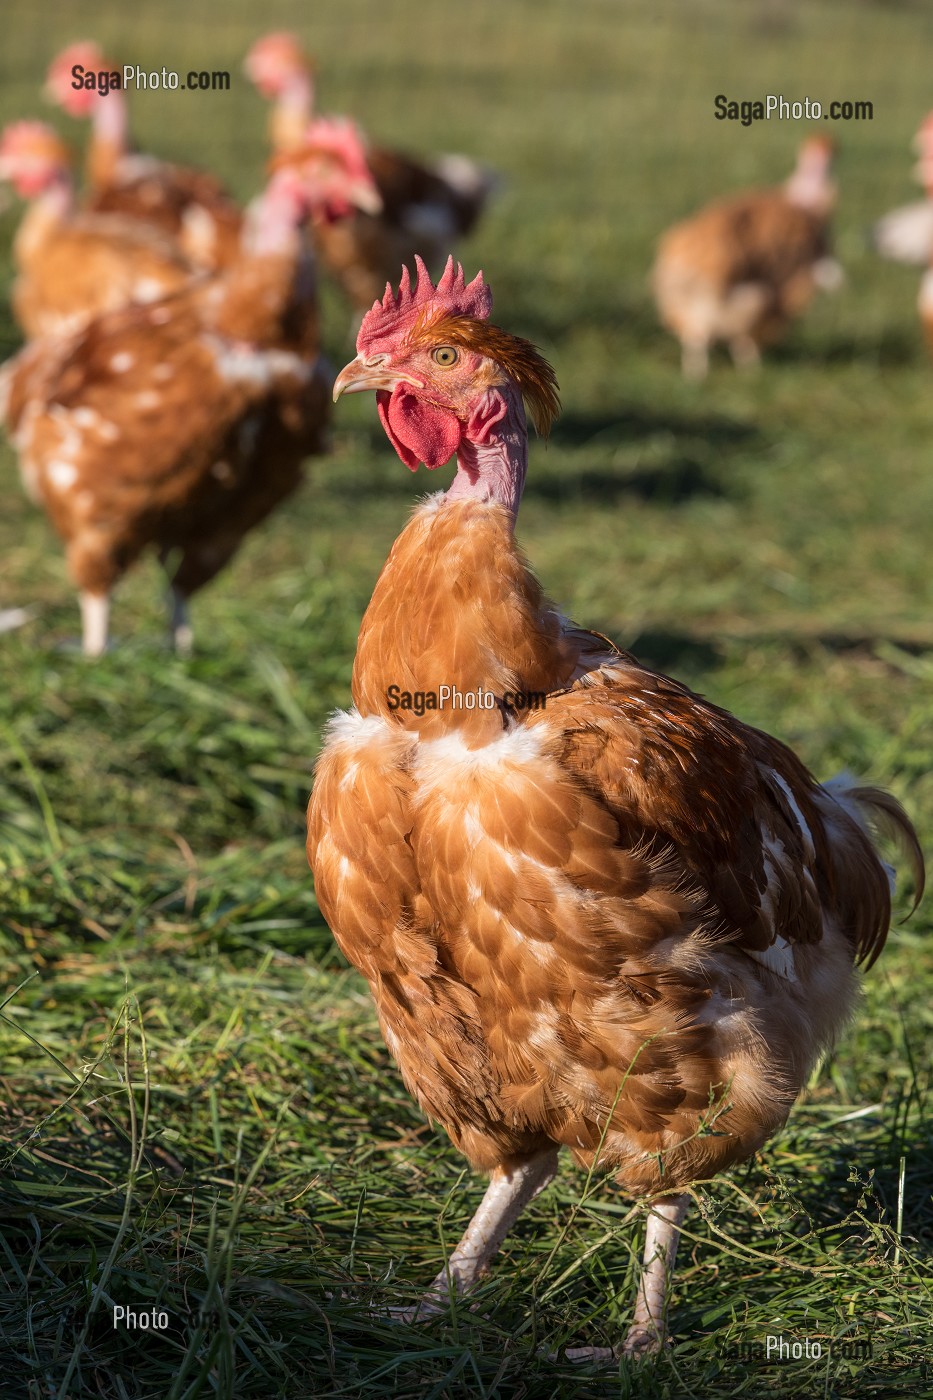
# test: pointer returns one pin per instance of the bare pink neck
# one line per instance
(58, 199)
(110, 121)
(43, 220)
(273, 219)
(493, 468)
(292, 113)
(298, 97)
(810, 186)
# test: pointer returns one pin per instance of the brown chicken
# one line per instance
(595, 910)
(72, 266)
(190, 205)
(743, 268)
(425, 204)
(180, 424)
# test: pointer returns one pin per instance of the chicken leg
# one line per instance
(510, 1189)
(647, 1333)
(180, 630)
(95, 619)
(694, 359)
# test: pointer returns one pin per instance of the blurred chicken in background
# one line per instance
(906, 234)
(191, 205)
(182, 424)
(428, 204)
(73, 265)
(744, 267)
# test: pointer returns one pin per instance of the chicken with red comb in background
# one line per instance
(191, 205)
(182, 424)
(623, 922)
(73, 265)
(426, 203)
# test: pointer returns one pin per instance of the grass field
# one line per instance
(199, 1113)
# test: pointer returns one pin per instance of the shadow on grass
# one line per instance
(637, 425)
(673, 459)
(891, 349)
(672, 651)
(838, 1229)
(675, 652)
(674, 482)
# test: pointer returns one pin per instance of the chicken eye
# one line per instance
(445, 356)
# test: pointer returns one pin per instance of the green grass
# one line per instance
(199, 1112)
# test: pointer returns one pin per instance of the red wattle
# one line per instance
(418, 431)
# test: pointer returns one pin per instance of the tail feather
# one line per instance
(886, 816)
(469, 186)
(466, 175)
(877, 815)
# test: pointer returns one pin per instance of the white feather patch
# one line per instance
(779, 958)
(241, 363)
(828, 274)
(463, 174)
(61, 475)
(520, 745)
(906, 234)
(148, 289)
(371, 736)
(804, 829)
(350, 727)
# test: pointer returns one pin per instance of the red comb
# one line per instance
(453, 296)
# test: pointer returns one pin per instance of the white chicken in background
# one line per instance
(906, 234)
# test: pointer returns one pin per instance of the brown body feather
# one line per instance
(626, 922)
(75, 267)
(189, 205)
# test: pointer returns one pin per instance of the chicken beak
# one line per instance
(360, 375)
(365, 197)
